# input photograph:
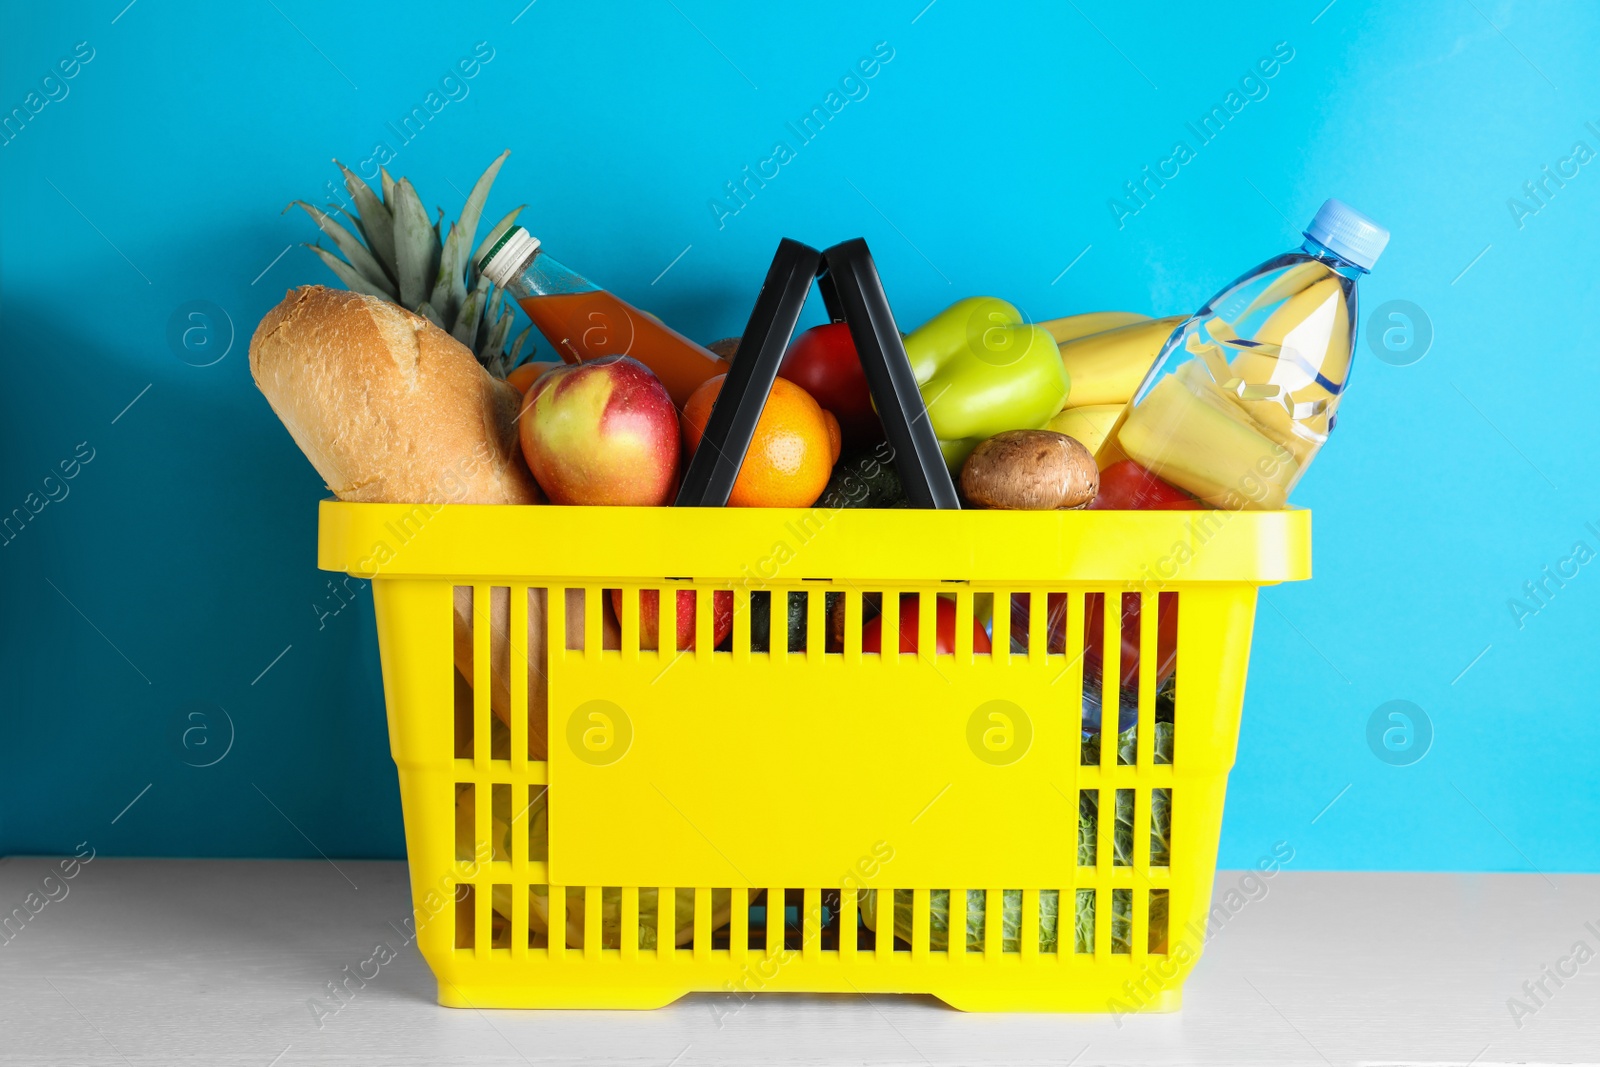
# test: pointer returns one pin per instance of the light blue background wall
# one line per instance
(981, 161)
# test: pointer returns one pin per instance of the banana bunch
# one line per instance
(1107, 355)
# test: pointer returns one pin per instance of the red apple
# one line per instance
(602, 432)
(650, 617)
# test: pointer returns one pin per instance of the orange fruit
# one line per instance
(791, 453)
(525, 374)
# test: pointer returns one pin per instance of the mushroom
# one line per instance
(1030, 470)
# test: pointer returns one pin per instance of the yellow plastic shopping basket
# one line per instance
(792, 813)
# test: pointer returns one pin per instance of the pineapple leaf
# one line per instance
(414, 244)
(473, 211)
(388, 188)
(497, 312)
(377, 221)
(354, 226)
(450, 288)
(425, 309)
(494, 234)
(516, 347)
(353, 280)
(349, 244)
(467, 322)
(466, 327)
(353, 221)
(438, 244)
(498, 332)
(496, 308)
(480, 337)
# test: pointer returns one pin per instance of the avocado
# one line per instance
(864, 478)
(761, 625)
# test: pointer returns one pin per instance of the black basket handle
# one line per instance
(853, 292)
(732, 423)
(852, 286)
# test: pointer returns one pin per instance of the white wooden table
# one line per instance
(217, 962)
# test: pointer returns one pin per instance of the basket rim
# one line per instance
(760, 547)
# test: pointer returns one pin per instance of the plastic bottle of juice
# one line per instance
(583, 321)
(1245, 392)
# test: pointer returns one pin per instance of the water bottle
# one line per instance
(1246, 391)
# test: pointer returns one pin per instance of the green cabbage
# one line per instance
(1049, 900)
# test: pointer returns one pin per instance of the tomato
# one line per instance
(823, 362)
(1126, 486)
(944, 629)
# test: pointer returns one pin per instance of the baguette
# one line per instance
(504, 658)
(388, 407)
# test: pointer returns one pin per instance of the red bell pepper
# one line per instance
(944, 629)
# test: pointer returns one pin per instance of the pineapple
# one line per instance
(400, 257)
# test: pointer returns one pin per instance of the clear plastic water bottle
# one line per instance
(1246, 391)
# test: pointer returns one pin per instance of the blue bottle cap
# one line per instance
(1348, 233)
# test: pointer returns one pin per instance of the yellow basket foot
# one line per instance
(563, 996)
(1059, 1000)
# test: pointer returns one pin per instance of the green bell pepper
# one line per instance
(982, 369)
